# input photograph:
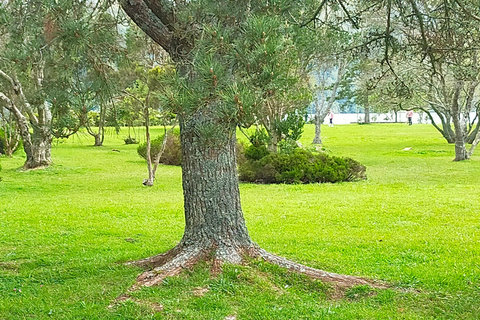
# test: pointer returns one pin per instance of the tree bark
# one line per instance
(39, 151)
(461, 152)
(320, 114)
(367, 109)
(37, 145)
(273, 141)
(213, 213)
(151, 173)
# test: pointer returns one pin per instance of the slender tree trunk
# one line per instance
(474, 143)
(320, 111)
(461, 152)
(272, 142)
(367, 110)
(158, 156)
(320, 114)
(151, 173)
(100, 136)
(473, 134)
(98, 140)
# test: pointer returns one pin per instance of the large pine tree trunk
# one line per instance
(215, 227)
(213, 213)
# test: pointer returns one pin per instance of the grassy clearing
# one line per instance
(414, 223)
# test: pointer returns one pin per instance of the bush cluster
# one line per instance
(172, 155)
(300, 166)
(130, 140)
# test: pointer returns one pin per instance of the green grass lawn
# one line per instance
(415, 223)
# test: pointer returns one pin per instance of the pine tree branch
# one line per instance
(9, 79)
(166, 16)
(355, 24)
(320, 7)
(468, 13)
(149, 22)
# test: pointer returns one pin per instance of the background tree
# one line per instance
(437, 40)
(44, 46)
(9, 135)
(327, 92)
(272, 69)
(144, 96)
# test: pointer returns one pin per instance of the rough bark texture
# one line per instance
(213, 213)
(38, 152)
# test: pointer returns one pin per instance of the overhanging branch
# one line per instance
(149, 22)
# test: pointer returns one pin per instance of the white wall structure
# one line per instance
(418, 117)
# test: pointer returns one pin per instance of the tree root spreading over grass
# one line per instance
(174, 261)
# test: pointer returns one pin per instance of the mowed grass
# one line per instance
(415, 223)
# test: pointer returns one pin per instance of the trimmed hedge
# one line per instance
(301, 166)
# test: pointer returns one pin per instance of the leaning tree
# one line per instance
(207, 40)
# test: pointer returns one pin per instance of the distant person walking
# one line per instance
(330, 116)
(409, 117)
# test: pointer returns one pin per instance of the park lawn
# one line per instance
(415, 224)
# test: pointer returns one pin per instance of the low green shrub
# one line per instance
(172, 155)
(130, 140)
(301, 166)
(255, 152)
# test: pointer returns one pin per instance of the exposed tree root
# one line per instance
(174, 261)
(340, 280)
